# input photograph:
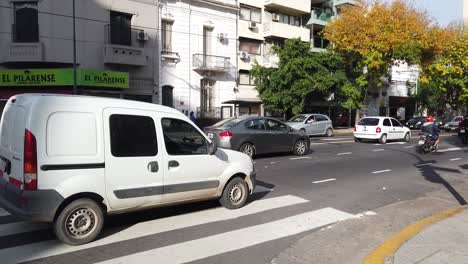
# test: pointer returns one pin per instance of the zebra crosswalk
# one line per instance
(203, 245)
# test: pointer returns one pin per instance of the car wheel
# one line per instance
(383, 139)
(79, 222)
(302, 130)
(407, 137)
(247, 149)
(300, 147)
(235, 194)
(329, 132)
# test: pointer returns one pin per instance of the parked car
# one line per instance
(258, 135)
(416, 122)
(381, 129)
(312, 124)
(71, 160)
(452, 126)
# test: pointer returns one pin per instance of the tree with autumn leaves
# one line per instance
(375, 36)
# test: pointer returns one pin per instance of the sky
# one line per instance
(443, 11)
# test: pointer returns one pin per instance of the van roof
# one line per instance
(97, 102)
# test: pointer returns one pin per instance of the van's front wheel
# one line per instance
(235, 194)
(79, 222)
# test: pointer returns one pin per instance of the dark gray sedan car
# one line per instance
(258, 135)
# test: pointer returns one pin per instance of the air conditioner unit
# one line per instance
(244, 55)
(252, 25)
(275, 17)
(142, 36)
(222, 36)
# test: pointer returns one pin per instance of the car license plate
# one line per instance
(462, 130)
(210, 135)
(421, 142)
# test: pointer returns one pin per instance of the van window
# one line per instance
(369, 122)
(181, 138)
(7, 126)
(17, 137)
(386, 122)
(71, 134)
(132, 136)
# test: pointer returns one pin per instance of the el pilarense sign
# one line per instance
(63, 77)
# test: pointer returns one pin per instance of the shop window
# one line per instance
(26, 27)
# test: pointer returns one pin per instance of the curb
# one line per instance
(383, 254)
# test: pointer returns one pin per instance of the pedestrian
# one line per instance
(192, 117)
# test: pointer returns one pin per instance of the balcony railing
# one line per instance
(320, 42)
(211, 63)
(125, 46)
(29, 36)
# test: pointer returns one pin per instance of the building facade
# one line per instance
(199, 56)
(116, 48)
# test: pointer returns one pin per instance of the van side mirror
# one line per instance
(212, 148)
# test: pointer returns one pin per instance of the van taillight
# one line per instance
(225, 134)
(378, 130)
(30, 161)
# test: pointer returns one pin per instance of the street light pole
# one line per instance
(75, 90)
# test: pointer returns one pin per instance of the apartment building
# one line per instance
(262, 24)
(199, 56)
(116, 48)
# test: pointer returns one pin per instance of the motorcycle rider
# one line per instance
(464, 124)
(435, 131)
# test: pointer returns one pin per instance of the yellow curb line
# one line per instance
(391, 245)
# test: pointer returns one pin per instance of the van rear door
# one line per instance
(13, 126)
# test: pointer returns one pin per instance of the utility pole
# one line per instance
(75, 90)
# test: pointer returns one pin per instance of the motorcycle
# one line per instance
(426, 145)
(463, 134)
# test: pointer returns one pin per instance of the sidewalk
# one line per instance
(343, 131)
(439, 239)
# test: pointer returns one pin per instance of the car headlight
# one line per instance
(418, 123)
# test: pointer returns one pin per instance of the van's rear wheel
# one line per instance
(383, 139)
(79, 222)
(235, 194)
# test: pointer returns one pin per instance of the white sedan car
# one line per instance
(312, 124)
(381, 129)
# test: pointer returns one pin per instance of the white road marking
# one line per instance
(377, 150)
(449, 149)
(407, 147)
(3, 212)
(54, 247)
(312, 144)
(261, 189)
(237, 239)
(381, 171)
(327, 180)
(299, 158)
(22, 227)
(335, 139)
(396, 143)
(370, 213)
(344, 153)
(455, 159)
(273, 162)
(378, 144)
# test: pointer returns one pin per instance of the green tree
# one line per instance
(302, 75)
(379, 34)
(446, 79)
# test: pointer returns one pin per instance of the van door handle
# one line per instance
(153, 166)
(173, 164)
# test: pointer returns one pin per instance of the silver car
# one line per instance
(312, 124)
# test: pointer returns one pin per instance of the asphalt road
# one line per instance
(296, 196)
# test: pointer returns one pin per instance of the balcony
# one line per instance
(319, 43)
(319, 16)
(294, 7)
(125, 46)
(23, 52)
(286, 31)
(229, 3)
(203, 62)
(339, 3)
(270, 61)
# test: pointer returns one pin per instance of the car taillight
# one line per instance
(378, 130)
(30, 161)
(225, 134)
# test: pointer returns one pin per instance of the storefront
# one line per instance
(60, 81)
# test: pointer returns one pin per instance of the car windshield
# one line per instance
(298, 118)
(457, 119)
(369, 122)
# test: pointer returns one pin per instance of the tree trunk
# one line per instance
(356, 119)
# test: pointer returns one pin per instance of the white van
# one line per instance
(71, 160)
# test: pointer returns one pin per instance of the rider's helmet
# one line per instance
(430, 119)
